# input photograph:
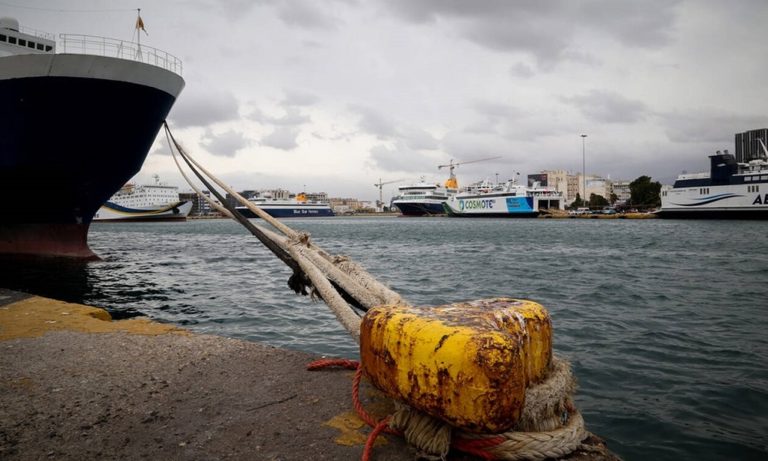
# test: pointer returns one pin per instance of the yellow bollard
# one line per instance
(468, 364)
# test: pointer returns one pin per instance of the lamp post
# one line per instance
(584, 167)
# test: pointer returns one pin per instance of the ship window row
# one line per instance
(704, 190)
(753, 188)
(22, 42)
(756, 178)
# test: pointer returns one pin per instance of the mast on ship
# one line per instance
(452, 182)
(139, 28)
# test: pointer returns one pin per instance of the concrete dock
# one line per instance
(76, 385)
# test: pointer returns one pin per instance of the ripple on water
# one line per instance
(664, 321)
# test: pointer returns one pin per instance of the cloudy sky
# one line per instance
(335, 95)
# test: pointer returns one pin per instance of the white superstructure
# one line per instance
(729, 190)
(421, 198)
(144, 202)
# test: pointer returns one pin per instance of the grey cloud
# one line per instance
(299, 98)
(608, 107)
(225, 144)
(641, 23)
(709, 125)
(306, 14)
(401, 158)
(292, 117)
(418, 139)
(283, 137)
(545, 29)
(374, 122)
(522, 70)
(204, 108)
(496, 110)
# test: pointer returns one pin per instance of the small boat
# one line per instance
(298, 206)
(506, 200)
(730, 190)
(421, 198)
(155, 202)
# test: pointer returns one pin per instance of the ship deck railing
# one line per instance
(111, 47)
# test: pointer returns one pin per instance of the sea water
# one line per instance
(664, 321)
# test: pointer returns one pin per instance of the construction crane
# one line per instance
(379, 184)
(452, 183)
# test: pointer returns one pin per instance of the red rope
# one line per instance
(378, 426)
(474, 447)
(477, 446)
(382, 426)
(326, 363)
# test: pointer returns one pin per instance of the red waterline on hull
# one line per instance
(46, 239)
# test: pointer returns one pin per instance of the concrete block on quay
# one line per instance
(76, 385)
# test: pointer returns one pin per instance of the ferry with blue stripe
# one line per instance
(731, 190)
(298, 206)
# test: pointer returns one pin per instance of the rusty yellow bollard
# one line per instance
(467, 364)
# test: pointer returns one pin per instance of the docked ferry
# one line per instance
(298, 206)
(77, 119)
(506, 200)
(730, 190)
(150, 202)
(421, 199)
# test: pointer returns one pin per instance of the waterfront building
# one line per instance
(200, 206)
(557, 180)
(747, 144)
(599, 186)
(622, 191)
(345, 205)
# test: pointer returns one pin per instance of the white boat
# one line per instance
(298, 206)
(731, 190)
(508, 200)
(421, 198)
(155, 202)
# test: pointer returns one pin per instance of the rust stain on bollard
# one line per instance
(468, 364)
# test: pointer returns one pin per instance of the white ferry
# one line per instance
(97, 90)
(156, 202)
(508, 200)
(421, 198)
(298, 206)
(731, 190)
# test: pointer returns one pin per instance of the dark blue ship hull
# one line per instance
(289, 212)
(66, 145)
(420, 209)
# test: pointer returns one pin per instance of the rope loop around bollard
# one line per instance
(421, 430)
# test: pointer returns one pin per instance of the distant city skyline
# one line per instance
(339, 95)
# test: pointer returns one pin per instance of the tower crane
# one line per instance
(452, 183)
(379, 184)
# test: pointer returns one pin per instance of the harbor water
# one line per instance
(664, 321)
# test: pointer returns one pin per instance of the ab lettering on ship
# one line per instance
(760, 200)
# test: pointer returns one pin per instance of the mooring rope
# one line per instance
(550, 425)
(528, 440)
(335, 279)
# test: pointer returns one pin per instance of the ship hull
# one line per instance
(287, 211)
(715, 213)
(73, 130)
(111, 212)
(734, 201)
(419, 208)
(492, 207)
